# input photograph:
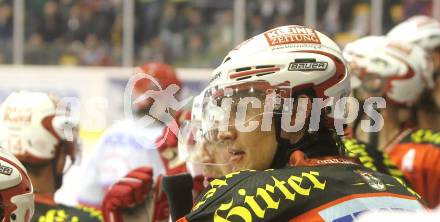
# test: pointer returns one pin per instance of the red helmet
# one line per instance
(159, 76)
(164, 74)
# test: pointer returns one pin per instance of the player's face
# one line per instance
(248, 149)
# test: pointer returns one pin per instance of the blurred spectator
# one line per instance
(94, 54)
(74, 23)
(51, 24)
(71, 55)
(155, 50)
(147, 19)
(5, 22)
(255, 25)
(195, 51)
(415, 7)
(171, 26)
(35, 50)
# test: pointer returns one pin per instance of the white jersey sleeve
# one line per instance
(123, 147)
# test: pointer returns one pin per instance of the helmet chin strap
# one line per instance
(58, 178)
(284, 147)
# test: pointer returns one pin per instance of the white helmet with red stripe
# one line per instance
(391, 68)
(421, 30)
(265, 72)
(424, 32)
(33, 129)
(293, 57)
(356, 53)
(16, 193)
(359, 49)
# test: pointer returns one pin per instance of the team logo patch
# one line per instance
(5, 170)
(307, 65)
(371, 180)
(17, 115)
(291, 34)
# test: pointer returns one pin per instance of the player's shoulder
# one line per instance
(371, 157)
(356, 148)
(422, 136)
(368, 156)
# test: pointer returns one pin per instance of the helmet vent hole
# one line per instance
(267, 73)
(243, 69)
(266, 66)
(227, 59)
(242, 78)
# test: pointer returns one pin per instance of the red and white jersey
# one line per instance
(126, 145)
(417, 155)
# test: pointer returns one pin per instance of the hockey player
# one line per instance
(283, 145)
(15, 190)
(229, 198)
(364, 142)
(397, 71)
(143, 183)
(130, 143)
(424, 32)
(42, 135)
(139, 185)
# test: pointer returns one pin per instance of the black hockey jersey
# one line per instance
(330, 189)
(47, 211)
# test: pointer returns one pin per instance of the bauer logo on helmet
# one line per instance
(307, 65)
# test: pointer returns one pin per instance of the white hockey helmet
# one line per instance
(391, 68)
(16, 190)
(421, 30)
(33, 128)
(356, 53)
(278, 64)
(289, 58)
(358, 49)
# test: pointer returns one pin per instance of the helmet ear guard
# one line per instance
(62, 128)
(66, 132)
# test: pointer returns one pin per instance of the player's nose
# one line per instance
(227, 135)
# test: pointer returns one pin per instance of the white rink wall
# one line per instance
(98, 90)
